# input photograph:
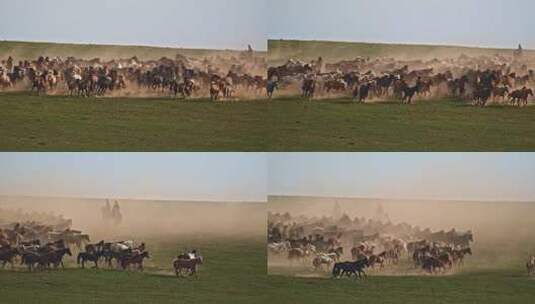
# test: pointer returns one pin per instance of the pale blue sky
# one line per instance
(166, 176)
(230, 24)
(491, 23)
(456, 176)
(236, 23)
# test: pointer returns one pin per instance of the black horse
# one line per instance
(409, 92)
(7, 255)
(88, 256)
(350, 268)
(362, 92)
(271, 87)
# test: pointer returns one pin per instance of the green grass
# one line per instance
(21, 50)
(331, 51)
(234, 271)
(444, 125)
(483, 287)
(33, 123)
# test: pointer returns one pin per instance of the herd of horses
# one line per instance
(500, 79)
(41, 247)
(367, 244)
(482, 79)
(180, 77)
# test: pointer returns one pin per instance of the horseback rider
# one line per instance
(193, 254)
(116, 213)
(106, 211)
(188, 255)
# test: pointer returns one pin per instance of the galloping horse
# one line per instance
(136, 259)
(87, 256)
(351, 268)
(530, 265)
(190, 265)
(521, 96)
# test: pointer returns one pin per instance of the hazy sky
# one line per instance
(171, 176)
(180, 23)
(236, 23)
(496, 23)
(459, 176)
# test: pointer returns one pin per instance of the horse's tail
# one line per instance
(79, 258)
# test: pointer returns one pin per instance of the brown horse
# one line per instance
(136, 259)
(54, 257)
(500, 92)
(378, 259)
(190, 265)
(215, 90)
(458, 255)
(521, 96)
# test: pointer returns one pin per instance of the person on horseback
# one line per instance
(116, 213)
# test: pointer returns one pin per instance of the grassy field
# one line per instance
(21, 50)
(480, 281)
(483, 287)
(331, 51)
(32, 123)
(234, 270)
(444, 125)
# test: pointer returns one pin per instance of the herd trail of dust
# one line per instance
(153, 218)
(504, 232)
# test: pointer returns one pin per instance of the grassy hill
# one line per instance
(31, 50)
(282, 50)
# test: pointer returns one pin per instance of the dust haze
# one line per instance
(504, 232)
(151, 219)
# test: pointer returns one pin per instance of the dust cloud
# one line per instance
(503, 232)
(150, 219)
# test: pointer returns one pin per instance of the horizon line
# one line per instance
(398, 199)
(418, 44)
(135, 199)
(125, 44)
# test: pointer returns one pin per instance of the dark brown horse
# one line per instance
(136, 259)
(7, 254)
(83, 257)
(189, 265)
(408, 93)
(521, 96)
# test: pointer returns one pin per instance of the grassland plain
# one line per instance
(440, 125)
(235, 272)
(331, 51)
(53, 123)
(22, 50)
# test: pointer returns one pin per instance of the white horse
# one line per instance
(530, 265)
(324, 259)
(5, 81)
